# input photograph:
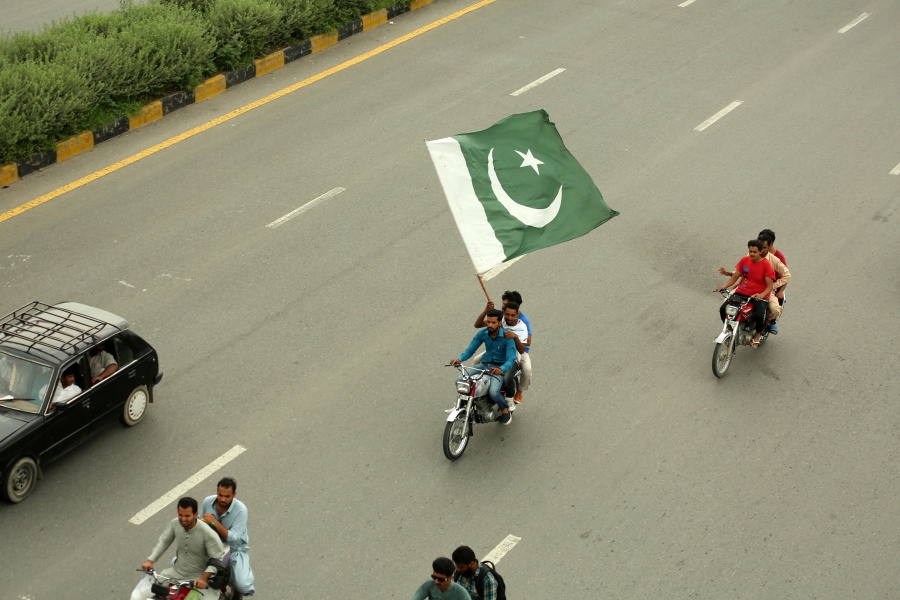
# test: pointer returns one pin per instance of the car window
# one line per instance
(82, 372)
(124, 353)
(137, 344)
(21, 383)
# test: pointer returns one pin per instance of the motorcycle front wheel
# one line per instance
(721, 359)
(456, 437)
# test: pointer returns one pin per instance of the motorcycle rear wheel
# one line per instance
(456, 437)
(721, 359)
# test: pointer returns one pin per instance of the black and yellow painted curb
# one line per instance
(206, 90)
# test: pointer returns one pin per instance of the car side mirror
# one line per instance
(61, 406)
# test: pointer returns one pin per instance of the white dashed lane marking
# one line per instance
(718, 115)
(537, 82)
(299, 211)
(686, 3)
(502, 548)
(896, 170)
(175, 493)
(853, 23)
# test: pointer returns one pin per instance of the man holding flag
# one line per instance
(513, 188)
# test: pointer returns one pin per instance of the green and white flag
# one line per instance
(514, 188)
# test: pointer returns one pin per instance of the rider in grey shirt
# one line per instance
(195, 545)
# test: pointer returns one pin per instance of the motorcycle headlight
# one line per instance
(731, 310)
(462, 387)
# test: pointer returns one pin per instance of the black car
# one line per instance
(65, 370)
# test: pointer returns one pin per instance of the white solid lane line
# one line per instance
(718, 115)
(502, 548)
(853, 23)
(166, 500)
(500, 268)
(686, 3)
(896, 170)
(305, 207)
(537, 82)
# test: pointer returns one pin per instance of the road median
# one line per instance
(208, 88)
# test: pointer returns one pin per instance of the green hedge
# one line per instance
(83, 73)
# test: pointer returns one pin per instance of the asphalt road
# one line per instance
(630, 471)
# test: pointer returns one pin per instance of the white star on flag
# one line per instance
(528, 160)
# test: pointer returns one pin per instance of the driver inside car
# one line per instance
(499, 357)
(66, 388)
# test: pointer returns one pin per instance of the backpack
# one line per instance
(488, 567)
(221, 577)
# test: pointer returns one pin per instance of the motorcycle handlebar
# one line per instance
(159, 578)
(461, 366)
(726, 293)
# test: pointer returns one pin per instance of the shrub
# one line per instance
(46, 44)
(83, 72)
(243, 28)
(165, 46)
(139, 51)
(348, 10)
(40, 104)
(305, 18)
(197, 5)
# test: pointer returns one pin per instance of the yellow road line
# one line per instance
(237, 112)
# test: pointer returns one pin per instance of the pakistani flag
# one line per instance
(514, 188)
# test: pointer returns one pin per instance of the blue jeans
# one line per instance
(496, 382)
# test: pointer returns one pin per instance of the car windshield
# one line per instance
(23, 384)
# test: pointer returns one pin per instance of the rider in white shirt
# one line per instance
(514, 327)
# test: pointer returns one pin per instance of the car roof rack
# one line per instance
(39, 329)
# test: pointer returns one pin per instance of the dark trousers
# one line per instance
(759, 310)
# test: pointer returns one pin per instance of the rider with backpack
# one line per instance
(481, 580)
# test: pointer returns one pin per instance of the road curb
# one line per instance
(208, 89)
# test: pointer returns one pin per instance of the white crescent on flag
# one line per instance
(533, 217)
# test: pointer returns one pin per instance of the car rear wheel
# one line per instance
(19, 480)
(136, 406)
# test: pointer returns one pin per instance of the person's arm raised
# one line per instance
(479, 322)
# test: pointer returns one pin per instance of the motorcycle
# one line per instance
(166, 588)
(474, 405)
(738, 330)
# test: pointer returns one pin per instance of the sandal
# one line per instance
(754, 343)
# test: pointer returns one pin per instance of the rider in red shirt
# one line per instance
(757, 279)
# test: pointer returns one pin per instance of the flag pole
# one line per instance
(484, 289)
